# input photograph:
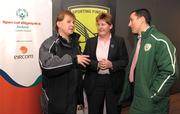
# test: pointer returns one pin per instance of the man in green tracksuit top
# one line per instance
(155, 69)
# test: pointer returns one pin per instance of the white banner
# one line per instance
(23, 26)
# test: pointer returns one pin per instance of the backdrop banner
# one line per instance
(86, 12)
(24, 25)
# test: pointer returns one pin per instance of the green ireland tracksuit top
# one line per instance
(156, 71)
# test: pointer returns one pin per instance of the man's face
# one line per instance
(135, 23)
(66, 26)
(103, 27)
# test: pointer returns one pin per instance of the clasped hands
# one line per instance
(104, 64)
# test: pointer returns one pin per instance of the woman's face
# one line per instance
(103, 28)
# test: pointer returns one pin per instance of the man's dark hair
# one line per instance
(145, 13)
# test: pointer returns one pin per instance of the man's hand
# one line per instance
(83, 60)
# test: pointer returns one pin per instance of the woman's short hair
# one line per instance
(105, 16)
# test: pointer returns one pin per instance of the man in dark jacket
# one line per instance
(59, 58)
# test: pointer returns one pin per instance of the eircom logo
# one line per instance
(23, 49)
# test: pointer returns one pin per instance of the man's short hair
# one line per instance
(145, 13)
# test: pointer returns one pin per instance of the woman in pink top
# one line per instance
(104, 75)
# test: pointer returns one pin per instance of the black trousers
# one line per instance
(70, 108)
(103, 92)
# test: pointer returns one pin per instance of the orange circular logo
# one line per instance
(23, 49)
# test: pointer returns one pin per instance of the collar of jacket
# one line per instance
(73, 38)
(147, 32)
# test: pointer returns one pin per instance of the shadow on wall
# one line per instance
(129, 42)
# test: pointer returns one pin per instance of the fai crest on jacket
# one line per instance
(147, 47)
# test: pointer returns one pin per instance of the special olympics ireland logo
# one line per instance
(22, 13)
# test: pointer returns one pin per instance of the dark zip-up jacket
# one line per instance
(61, 74)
